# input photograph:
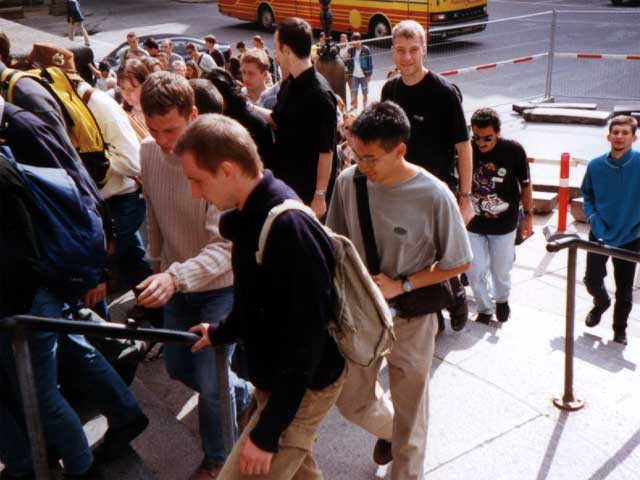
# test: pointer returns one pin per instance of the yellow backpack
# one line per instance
(83, 130)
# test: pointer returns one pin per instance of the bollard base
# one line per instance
(569, 406)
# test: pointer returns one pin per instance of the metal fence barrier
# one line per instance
(22, 324)
(569, 401)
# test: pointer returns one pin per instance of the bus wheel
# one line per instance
(379, 27)
(266, 20)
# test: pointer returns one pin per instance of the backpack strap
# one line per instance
(274, 213)
(8, 81)
(366, 224)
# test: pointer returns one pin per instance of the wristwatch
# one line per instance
(529, 212)
(321, 193)
(406, 284)
(465, 194)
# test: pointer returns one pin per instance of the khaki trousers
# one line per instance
(364, 402)
(294, 459)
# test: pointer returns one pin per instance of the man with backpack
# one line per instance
(46, 269)
(281, 309)
(407, 225)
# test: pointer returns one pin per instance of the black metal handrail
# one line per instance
(22, 324)
(569, 401)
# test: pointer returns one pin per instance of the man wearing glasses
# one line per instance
(439, 132)
(420, 239)
(500, 183)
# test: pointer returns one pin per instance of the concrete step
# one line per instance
(544, 202)
(567, 115)
(577, 211)
(12, 13)
(521, 107)
(626, 109)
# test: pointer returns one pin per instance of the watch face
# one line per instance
(406, 286)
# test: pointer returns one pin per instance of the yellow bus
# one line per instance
(373, 17)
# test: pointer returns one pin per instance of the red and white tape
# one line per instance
(574, 162)
(489, 66)
(597, 56)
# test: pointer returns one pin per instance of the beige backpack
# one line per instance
(362, 326)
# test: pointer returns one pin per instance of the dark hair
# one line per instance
(296, 34)
(213, 139)
(5, 48)
(133, 69)
(240, 45)
(150, 43)
(211, 39)
(624, 120)
(190, 46)
(207, 96)
(235, 103)
(162, 91)
(486, 117)
(385, 122)
(356, 36)
(104, 66)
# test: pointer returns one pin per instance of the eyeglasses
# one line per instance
(478, 138)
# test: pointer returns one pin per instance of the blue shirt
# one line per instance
(611, 191)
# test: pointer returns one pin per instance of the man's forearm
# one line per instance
(465, 165)
(431, 276)
(526, 197)
(325, 161)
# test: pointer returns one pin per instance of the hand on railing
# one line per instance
(203, 331)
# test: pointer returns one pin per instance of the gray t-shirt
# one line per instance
(415, 222)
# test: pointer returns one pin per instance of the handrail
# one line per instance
(106, 329)
(574, 243)
(22, 324)
(594, 247)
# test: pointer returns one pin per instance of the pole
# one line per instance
(552, 51)
(222, 372)
(563, 192)
(30, 404)
(568, 401)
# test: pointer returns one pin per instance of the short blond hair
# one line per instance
(409, 29)
(624, 120)
(213, 139)
(257, 56)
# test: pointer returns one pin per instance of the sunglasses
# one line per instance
(478, 138)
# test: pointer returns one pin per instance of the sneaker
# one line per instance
(620, 338)
(464, 280)
(595, 314)
(502, 311)
(459, 316)
(207, 471)
(245, 415)
(382, 454)
(117, 440)
(484, 318)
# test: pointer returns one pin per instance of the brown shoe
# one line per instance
(382, 454)
(245, 415)
(206, 471)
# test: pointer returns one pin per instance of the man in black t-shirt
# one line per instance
(438, 132)
(500, 182)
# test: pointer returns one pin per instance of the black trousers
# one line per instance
(623, 273)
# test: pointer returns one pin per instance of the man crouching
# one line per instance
(281, 308)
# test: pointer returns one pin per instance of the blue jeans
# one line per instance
(104, 387)
(129, 257)
(490, 271)
(198, 370)
(356, 84)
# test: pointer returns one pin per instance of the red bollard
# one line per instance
(563, 193)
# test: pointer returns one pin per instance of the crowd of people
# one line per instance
(203, 158)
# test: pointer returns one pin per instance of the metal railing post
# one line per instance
(550, 56)
(222, 367)
(568, 400)
(30, 404)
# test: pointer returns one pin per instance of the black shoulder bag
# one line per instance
(421, 301)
